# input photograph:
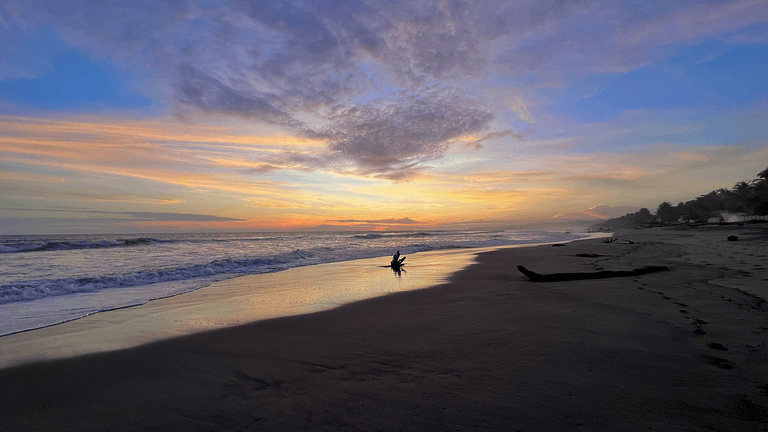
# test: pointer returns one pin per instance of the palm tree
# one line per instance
(747, 196)
(666, 212)
(743, 197)
(762, 176)
(760, 189)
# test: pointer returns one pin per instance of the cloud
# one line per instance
(401, 221)
(317, 69)
(139, 216)
(273, 61)
(212, 96)
(175, 217)
(89, 155)
(617, 36)
(393, 138)
(496, 135)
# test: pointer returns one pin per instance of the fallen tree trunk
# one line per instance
(559, 277)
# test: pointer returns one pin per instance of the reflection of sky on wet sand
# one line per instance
(235, 301)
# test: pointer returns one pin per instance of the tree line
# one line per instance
(747, 197)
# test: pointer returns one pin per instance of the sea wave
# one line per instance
(367, 236)
(35, 289)
(372, 236)
(38, 245)
(60, 245)
(27, 290)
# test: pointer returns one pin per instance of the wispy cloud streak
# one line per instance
(140, 216)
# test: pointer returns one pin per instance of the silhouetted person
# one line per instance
(396, 257)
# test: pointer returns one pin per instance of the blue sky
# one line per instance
(64, 78)
(708, 75)
(284, 114)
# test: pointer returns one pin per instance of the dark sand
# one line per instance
(680, 350)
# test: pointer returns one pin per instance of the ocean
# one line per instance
(50, 279)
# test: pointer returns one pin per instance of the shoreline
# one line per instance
(47, 311)
(485, 350)
(66, 339)
(220, 305)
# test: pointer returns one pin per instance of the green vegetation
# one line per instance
(747, 197)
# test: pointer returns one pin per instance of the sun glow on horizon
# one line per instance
(406, 115)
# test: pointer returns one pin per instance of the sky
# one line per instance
(217, 115)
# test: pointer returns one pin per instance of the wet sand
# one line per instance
(232, 302)
(681, 350)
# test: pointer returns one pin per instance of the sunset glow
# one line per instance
(218, 115)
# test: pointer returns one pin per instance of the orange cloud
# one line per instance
(214, 169)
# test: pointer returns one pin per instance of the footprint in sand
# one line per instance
(717, 346)
(717, 361)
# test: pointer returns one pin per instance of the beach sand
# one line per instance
(232, 302)
(489, 350)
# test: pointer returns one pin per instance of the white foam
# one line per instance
(162, 266)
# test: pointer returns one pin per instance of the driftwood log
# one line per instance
(559, 277)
